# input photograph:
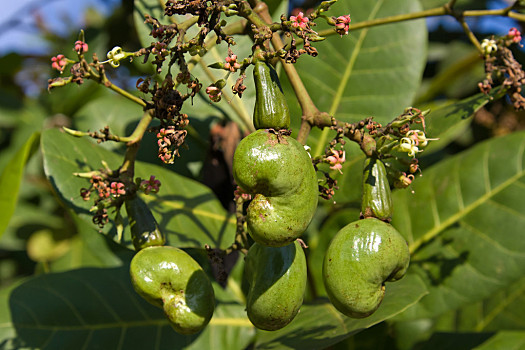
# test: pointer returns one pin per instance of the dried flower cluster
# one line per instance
(502, 68)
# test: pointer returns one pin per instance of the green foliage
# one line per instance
(188, 213)
(11, 178)
(65, 281)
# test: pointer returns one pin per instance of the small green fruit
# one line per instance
(169, 278)
(277, 281)
(360, 258)
(143, 226)
(271, 109)
(377, 197)
(278, 172)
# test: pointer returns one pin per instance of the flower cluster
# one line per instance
(411, 143)
(299, 21)
(59, 62)
(107, 188)
(342, 24)
(501, 67)
(514, 35)
(336, 160)
(231, 63)
(80, 47)
(169, 140)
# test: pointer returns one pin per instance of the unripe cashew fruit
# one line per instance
(279, 173)
(361, 257)
(377, 197)
(143, 226)
(169, 278)
(277, 281)
(271, 109)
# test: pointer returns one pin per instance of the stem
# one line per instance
(132, 147)
(438, 11)
(308, 107)
(470, 34)
(124, 93)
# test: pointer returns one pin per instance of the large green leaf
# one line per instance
(504, 340)
(11, 178)
(449, 121)
(319, 326)
(371, 72)
(464, 224)
(187, 211)
(94, 308)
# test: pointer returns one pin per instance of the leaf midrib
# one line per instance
(436, 230)
(346, 76)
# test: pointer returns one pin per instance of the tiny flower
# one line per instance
(115, 55)
(150, 186)
(336, 160)
(231, 63)
(299, 21)
(342, 24)
(80, 47)
(419, 138)
(403, 181)
(117, 189)
(308, 149)
(488, 46)
(214, 93)
(85, 193)
(59, 62)
(515, 35)
(408, 145)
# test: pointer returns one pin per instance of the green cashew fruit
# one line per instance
(271, 109)
(169, 278)
(143, 226)
(277, 281)
(279, 173)
(361, 257)
(377, 197)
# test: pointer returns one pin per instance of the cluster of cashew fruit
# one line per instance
(278, 173)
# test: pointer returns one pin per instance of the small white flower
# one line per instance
(308, 149)
(489, 46)
(409, 146)
(115, 55)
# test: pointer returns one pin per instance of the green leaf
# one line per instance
(11, 178)
(94, 308)
(505, 340)
(187, 211)
(140, 10)
(319, 326)
(464, 225)
(371, 72)
(448, 122)
(118, 113)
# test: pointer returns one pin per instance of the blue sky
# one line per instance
(59, 15)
